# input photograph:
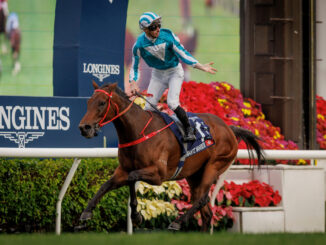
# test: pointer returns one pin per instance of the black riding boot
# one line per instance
(189, 131)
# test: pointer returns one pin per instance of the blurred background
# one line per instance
(209, 29)
(36, 22)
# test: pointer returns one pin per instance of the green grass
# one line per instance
(163, 239)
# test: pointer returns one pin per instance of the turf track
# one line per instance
(162, 239)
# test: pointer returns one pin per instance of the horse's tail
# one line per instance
(251, 142)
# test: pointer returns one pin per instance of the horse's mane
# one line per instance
(121, 93)
(117, 90)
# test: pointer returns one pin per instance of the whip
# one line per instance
(150, 95)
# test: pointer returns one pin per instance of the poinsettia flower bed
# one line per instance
(160, 205)
(251, 194)
(227, 102)
(321, 122)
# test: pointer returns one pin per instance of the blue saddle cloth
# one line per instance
(203, 137)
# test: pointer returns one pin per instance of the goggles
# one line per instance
(154, 27)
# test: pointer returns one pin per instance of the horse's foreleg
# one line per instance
(135, 216)
(149, 174)
(118, 179)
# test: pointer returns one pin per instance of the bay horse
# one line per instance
(155, 159)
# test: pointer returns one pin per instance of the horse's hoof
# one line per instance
(79, 228)
(137, 219)
(86, 216)
(174, 226)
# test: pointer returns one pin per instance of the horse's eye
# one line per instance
(101, 103)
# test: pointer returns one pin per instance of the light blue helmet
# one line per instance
(147, 18)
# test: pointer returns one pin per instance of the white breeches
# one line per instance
(161, 80)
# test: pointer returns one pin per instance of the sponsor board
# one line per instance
(89, 48)
(47, 122)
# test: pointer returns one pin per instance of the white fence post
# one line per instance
(62, 194)
(129, 221)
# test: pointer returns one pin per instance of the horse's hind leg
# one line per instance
(197, 205)
(206, 216)
(118, 179)
(199, 191)
(200, 195)
(205, 211)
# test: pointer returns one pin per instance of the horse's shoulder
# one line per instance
(158, 117)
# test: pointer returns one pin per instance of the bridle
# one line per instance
(135, 142)
(101, 122)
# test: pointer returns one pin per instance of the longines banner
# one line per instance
(47, 122)
(88, 45)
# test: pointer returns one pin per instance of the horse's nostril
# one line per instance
(87, 127)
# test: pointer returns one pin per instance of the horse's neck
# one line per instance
(130, 124)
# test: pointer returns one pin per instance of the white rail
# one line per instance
(113, 152)
(287, 154)
(78, 153)
(59, 152)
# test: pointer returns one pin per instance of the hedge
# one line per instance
(29, 190)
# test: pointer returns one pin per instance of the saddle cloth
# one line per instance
(203, 137)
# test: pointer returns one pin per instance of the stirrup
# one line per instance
(189, 135)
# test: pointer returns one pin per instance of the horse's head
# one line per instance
(99, 109)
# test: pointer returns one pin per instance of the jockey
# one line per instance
(162, 51)
(12, 23)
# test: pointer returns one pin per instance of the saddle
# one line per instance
(203, 137)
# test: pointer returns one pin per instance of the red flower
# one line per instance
(253, 193)
(225, 101)
(321, 122)
(249, 194)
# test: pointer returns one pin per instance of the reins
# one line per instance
(135, 142)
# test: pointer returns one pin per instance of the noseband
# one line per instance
(101, 123)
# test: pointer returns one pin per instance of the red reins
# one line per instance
(135, 142)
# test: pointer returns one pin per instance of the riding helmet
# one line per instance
(147, 18)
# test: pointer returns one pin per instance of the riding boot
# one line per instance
(189, 131)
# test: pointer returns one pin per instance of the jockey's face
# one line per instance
(153, 30)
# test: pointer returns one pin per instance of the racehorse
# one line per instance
(148, 151)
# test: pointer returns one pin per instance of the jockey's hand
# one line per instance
(133, 87)
(206, 67)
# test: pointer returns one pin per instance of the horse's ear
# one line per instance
(95, 85)
(113, 86)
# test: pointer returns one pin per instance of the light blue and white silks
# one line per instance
(161, 53)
